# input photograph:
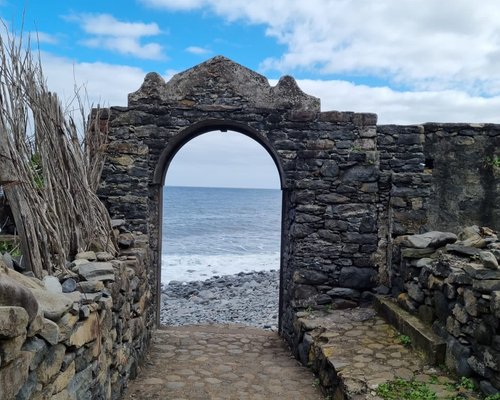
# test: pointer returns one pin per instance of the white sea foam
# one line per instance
(200, 267)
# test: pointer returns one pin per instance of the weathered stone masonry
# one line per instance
(83, 340)
(349, 186)
(327, 161)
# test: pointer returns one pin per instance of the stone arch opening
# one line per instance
(171, 150)
(209, 125)
(332, 176)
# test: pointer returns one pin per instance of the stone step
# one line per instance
(421, 335)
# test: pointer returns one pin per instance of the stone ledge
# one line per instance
(422, 338)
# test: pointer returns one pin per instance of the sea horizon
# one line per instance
(211, 231)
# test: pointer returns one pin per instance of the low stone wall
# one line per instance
(453, 284)
(79, 340)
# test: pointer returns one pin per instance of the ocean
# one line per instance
(219, 231)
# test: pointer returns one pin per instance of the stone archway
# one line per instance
(328, 164)
(183, 138)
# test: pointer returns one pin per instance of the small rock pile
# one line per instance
(245, 298)
(453, 284)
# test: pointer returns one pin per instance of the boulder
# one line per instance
(495, 303)
(38, 347)
(344, 293)
(97, 271)
(86, 255)
(52, 284)
(434, 239)
(10, 348)
(13, 321)
(50, 331)
(54, 305)
(14, 375)
(104, 256)
(51, 364)
(357, 278)
(85, 331)
(309, 277)
(69, 285)
(13, 293)
(26, 281)
(489, 260)
(463, 250)
(7, 259)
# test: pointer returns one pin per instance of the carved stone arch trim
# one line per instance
(209, 125)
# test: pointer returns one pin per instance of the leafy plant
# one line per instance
(495, 396)
(466, 383)
(404, 340)
(36, 167)
(10, 247)
(492, 162)
(401, 389)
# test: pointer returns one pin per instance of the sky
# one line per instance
(410, 61)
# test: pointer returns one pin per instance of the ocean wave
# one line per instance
(194, 267)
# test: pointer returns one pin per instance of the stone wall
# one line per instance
(349, 186)
(465, 164)
(79, 340)
(454, 286)
(404, 188)
(328, 165)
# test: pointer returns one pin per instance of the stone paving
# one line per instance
(235, 362)
(221, 362)
(365, 352)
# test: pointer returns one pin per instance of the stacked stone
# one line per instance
(453, 284)
(79, 336)
(465, 174)
(328, 165)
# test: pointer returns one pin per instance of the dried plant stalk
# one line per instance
(49, 177)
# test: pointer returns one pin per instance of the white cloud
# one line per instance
(403, 107)
(43, 37)
(106, 84)
(425, 44)
(198, 50)
(109, 85)
(175, 4)
(122, 37)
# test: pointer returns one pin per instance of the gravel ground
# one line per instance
(245, 298)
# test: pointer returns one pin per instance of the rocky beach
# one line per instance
(244, 298)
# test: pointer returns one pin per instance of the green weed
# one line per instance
(401, 389)
(492, 162)
(404, 340)
(11, 248)
(466, 383)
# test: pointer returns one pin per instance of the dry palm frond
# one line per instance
(49, 177)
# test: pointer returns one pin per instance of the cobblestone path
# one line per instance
(221, 362)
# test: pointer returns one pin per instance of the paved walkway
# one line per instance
(221, 362)
(366, 352)
(218, 362)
